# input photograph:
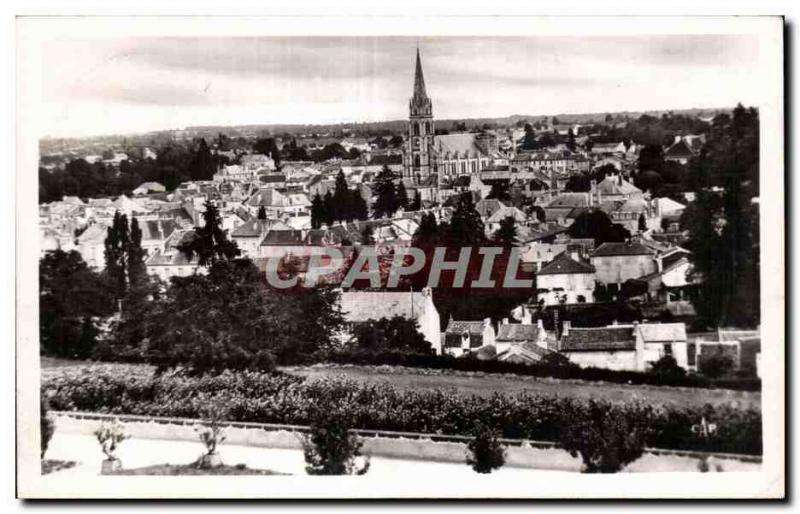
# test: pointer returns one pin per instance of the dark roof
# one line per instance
(459, 327)
(564, 264)
(517, 332)
(612, 249)
(283, 237)
(598, 339)
(251, 228)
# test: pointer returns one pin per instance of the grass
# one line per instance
(192, 469)
(51, 466)
(482, 384)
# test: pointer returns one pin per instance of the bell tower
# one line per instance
(419, 142)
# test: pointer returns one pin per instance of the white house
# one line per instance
(565, 280)
(463, 337)
(365, 306)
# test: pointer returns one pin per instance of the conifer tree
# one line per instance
(402, 196)
(330, 208)
(360, 207)
(342, 199)
(135, 256)
(386, 202)
(317, 212)
(210, 242)
(262, 213)
(506, 234)
(466, 226)
(416, 203)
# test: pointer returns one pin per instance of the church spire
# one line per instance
(419, 80)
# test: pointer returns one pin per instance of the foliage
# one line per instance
(723, 228)
(466, 226)
(46, 427)
(667, 366)
(395, 334)
(487, 453)
(71, 297)
(506, 234)
(606, 436)
(597, 225)
(211, 432)
(110, 435)
(266, 398)
(329, 448)
(228, 318)
(715, 366)
(386, 201)
(210, 242)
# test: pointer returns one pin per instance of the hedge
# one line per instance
(277, 398)
(573, 372)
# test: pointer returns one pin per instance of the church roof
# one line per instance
(460, 144)
(419, 80)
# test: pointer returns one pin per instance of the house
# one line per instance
(366, 306)
(155, 233)
(171, 262)
(624, 347)
(613, 188)
(91, 245)
(463, 337)
(248, 236)
(565, 280)
(608, 148)
(679, 152)
(615, 263)
(533, 339)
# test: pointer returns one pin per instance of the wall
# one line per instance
(619, 360)
(619, 268)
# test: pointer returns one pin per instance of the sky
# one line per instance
(128, 85)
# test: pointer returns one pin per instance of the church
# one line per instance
(429, 157)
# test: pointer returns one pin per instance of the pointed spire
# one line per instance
(419, 80)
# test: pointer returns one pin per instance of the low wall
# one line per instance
(401, 445)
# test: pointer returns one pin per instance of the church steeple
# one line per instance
(419, 80)
(419, 161)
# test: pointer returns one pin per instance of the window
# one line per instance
(416, 128)
(416, 161)
(668, 349)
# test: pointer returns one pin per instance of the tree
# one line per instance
(262, 213)
(606, 436)
(135, 256)
(571, 144)
(715, 366)
(359, 205)
(329, 208)
(329, 448)
(395, 334)
(46, 427)
(402, 196)
(487, 453)
(466, 226)
(342, 199)
(267, 146)
(366, 235)
(210, 243)
(116, 244)
(202, 166)
(427, 232)
(642, 223)
(597, 225)
(229, 319)
(386, 202)
(416, 203)
(499, 191)
(318, 214)
(70, 296)
(651, 158)
(667, 367)
(506, 234)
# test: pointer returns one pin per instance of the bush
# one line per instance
(329, 448)
(45, 424)
(607, 437)
(487, 453)
(276, 398)
(715, 366)
(667, 367)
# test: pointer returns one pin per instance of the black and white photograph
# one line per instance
(431, 257)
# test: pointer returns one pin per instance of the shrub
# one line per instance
(110, 435)
(277, 398)
(487, 453)
(211, 431)
(329, 447)
(607, 437)
(667, 367)
(715, 366)
(45, 424)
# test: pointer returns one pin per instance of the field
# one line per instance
(480, 384)
(483, 384)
